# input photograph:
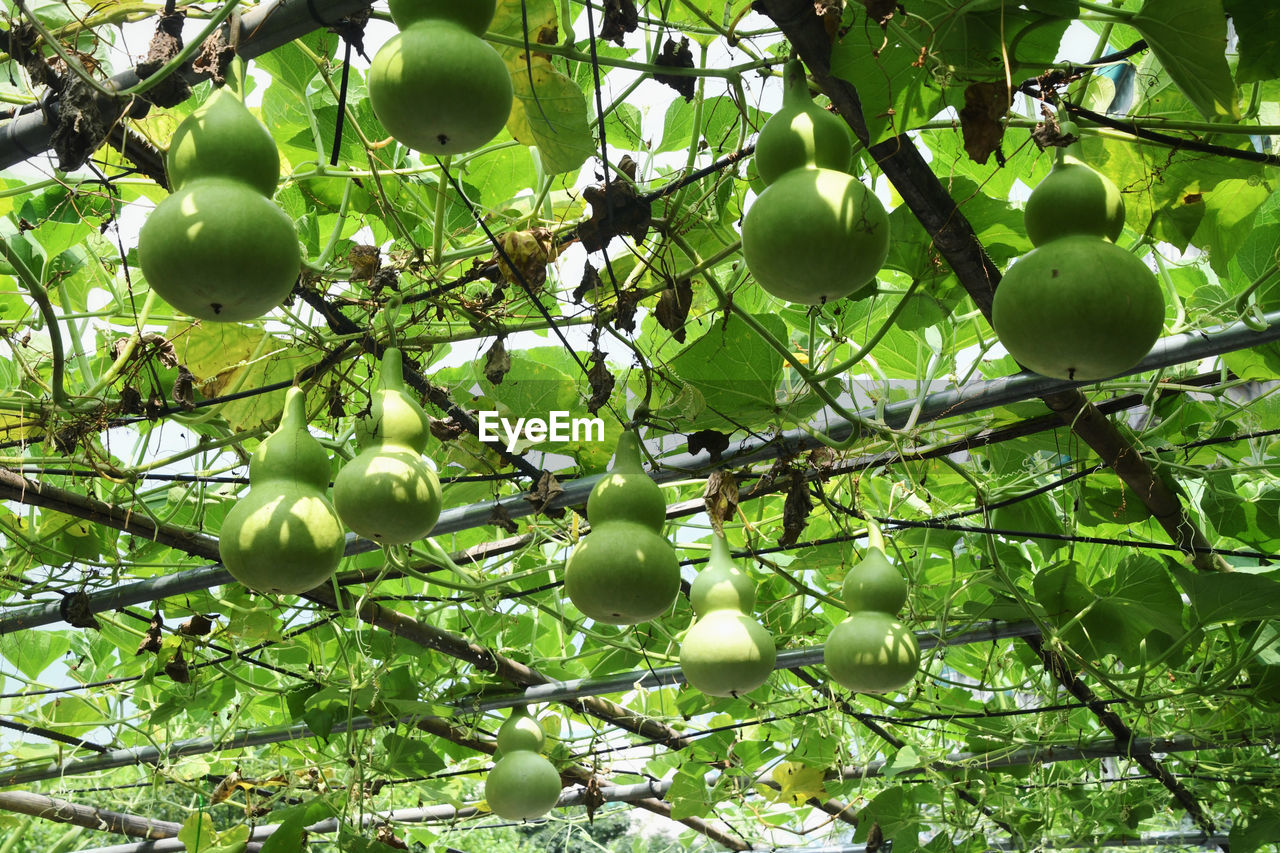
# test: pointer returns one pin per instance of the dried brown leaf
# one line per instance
(673, 308)
(720, 498)
(497, 361)
(795, 510)
(152, 637)
(676, 56)
(980, 120)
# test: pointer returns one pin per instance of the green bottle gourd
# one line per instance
(871, 651)
(1077, 307)
(523, 783)
(437, 86)
(388, 493)
(801, 132)
(725, 652)
(219, 248)
(815, 234)
(624, 571)
(284, 537)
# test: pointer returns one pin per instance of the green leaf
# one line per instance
(408, 756)
(1229, 213)
(32, 652)
(735, 371)
(897, 815)
(1230, 597)
(1189, 37)
(1257, 25)
(688, 793)
(895, 95)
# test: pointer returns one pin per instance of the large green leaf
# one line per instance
(1257, 24)
(734, 372)
(1190, 39)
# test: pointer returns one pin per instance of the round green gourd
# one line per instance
(874, 584)
(472, 15)
(284, 537)
(622, 573)
(1078, 308)
(522, 785)
(388, 493)
(440, 89)
(815, 235)
(627, 492)
(725, 652)
(871, 652)
(220, 251)
(801, 134)
(222, 139)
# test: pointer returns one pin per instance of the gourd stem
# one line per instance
(392, 377)
(627, 459)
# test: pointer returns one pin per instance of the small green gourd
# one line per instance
(284, 537)
(801, 133)
(388, 493)
(436, 85)
(219, 248)
(523, 784)
(624, 571)
(725, 652)
(871, 651)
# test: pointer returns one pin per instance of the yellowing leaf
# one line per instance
(550, 111)
(798, 782)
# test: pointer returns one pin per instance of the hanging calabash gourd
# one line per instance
(816, 233)
(219, 248)
(871, 651)
(284, 536)
(437, 86)
(1077, 306)
(624, 571)
(726, 652)
(388, 492)
(523, 783)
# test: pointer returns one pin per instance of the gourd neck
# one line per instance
(290, 452)
(1073, 153)
(721, 585)
(627, 458)
(395, 418)
(795, 86)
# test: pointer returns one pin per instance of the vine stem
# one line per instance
(41, 296)
(873, 340)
